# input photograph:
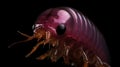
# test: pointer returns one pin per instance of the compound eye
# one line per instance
(61, 28)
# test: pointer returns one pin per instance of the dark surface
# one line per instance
(22, 16)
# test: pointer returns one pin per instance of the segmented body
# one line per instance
(79, 28)
(79, 38)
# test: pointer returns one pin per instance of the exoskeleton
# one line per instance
(72, 36)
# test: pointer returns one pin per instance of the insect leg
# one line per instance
(42, 57)
(66, 58)
(50, 54)
(28, 39)
(99, 63)
(23, 34)
(34, 48)
(85, 59)
(105, 64)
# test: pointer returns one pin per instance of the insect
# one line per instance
(72, 36)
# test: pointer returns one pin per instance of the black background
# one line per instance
(22, 15)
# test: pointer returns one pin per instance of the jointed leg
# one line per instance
(66, 56)
(105, 64)
(47, 39)
(99, 63)
(23, 34)
(85, 59)
(66, 59)
(42, 57)
(34, 48)
(28, 39)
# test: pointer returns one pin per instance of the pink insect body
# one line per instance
(73, 37)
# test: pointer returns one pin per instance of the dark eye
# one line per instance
(60, 29)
